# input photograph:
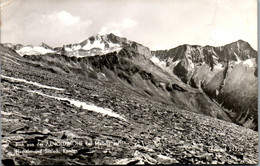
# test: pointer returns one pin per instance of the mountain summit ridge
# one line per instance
(108, 43)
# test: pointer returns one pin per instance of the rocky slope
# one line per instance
(127, 106)
(133, 70)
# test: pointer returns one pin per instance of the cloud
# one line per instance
(118, 28)
(67, 18)
(62, 17)
(52, 27)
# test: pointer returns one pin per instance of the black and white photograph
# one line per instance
(129, 82)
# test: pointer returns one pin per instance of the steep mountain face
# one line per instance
(227, 74)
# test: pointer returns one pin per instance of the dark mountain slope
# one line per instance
(132, 69)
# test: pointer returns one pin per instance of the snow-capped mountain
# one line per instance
(94, 45)
(32, 50)
(100, 45)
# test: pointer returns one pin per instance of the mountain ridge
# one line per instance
(123, 41)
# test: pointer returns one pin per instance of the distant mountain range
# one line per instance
(220, 82)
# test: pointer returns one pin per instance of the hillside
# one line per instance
(117, 107)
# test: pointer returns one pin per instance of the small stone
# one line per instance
(214, 162)
(128, 161)
(166, 160)
(46, 131)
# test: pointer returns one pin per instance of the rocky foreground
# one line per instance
(40, 130)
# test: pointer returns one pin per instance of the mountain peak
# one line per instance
(95, 45)
(102, 44)
(241, 41)
(105, 36)
(45, 46)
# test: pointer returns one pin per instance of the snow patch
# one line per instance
(42, 50)
(96, 44)
(214, 56)
(155, 60)
(161, 64)
(218, 66)
(238, 59)
(176, 62)
(249, 63)
(100, 44)
(191, 64)
(238, 45)
(26, 49)
(32, 83)
(68, 49)
(217, 92)
(34, 50)
(80, 104)
(77, 47)
(164, 157)
(114, 45)
(6, 113)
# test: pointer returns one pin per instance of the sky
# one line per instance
(158, 24)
